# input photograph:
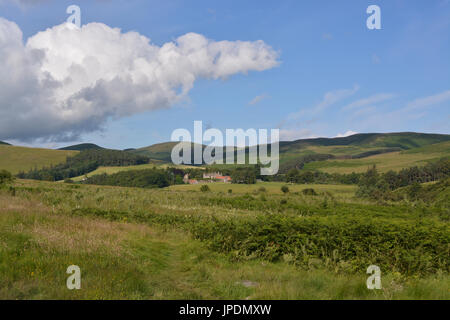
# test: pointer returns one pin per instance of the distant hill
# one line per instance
(357, 146)
(341, 155)
(83, 146)
(16, 159)
(403, 140)
(4, 143)
(160, 151)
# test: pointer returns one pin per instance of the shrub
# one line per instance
(262, 189)
(5, 177)
(309, 192)
(414, 190)
(146, 178)
(285, 189)
(204, 188)
(334, 241)
(230, 191)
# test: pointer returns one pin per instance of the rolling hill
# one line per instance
(4, 143)
(389, 151)
(386, 161)
(16, 159)
(82, 146)
(344, 151)
(160, 151)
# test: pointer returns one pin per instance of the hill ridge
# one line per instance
(82, 146)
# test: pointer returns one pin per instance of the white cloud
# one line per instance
(66, 81)
(330, 98)
(370, 100)
(333, 97)
(346, 134)
(258, 99)
(428, 101)
(296, 134)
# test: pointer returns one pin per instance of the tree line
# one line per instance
(84, 162)
(146, 178)
(380, 186)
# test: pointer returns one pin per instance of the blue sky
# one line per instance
(334, 76)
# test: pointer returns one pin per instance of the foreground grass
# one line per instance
(342, 191)
(40, 238)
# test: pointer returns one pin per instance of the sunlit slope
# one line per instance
(82, 146)
(16, 159)
(385, 162)
(160, 151)
(356, 146)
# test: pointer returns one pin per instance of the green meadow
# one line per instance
(16, 159)
(181, 243)
(387, 161)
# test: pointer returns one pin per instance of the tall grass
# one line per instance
(138, 244)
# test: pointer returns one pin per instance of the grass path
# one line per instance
(121, 260)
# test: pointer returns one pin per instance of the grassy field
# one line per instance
(341, 191)
(139, 244)
(385, 162)
(16, 159)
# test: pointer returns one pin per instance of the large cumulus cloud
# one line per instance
(65, 81)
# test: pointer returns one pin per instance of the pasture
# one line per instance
(384, 162)
(16, 159)
(181, 243)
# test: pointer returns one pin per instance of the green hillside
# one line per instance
(389, 151)
(82, 146)
(350, 153)
(16, 159)
(4, 143)
(385, 162)
(160, 151)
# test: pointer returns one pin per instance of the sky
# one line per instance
(138, 70)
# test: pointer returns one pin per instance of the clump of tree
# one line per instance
(299, 163)
(432, 171)
(305, 176)
(378, 186)
(148, 178)
(5, 177)
(309, 192)
(371, 185)
(83, 163)
(244, 175)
